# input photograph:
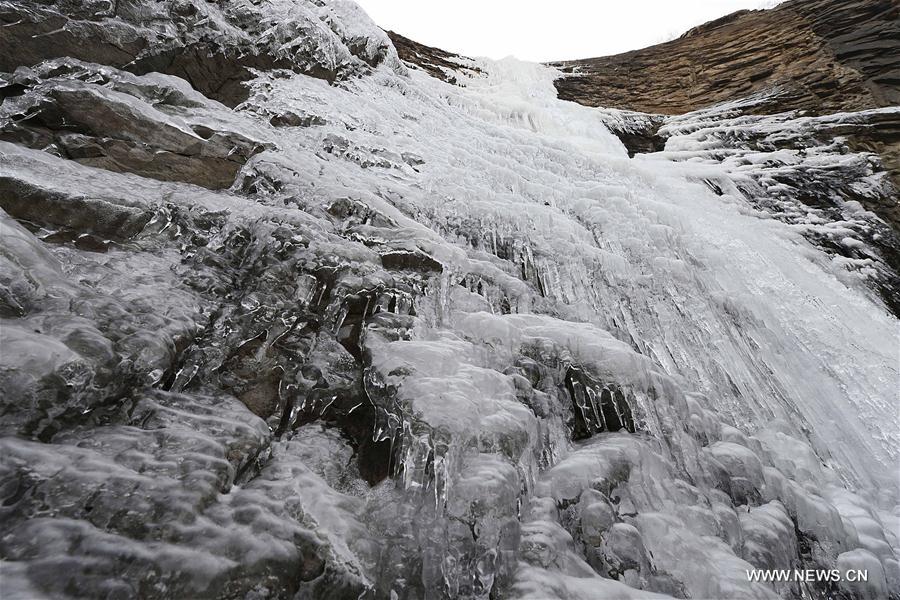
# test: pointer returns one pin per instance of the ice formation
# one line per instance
(376, 335)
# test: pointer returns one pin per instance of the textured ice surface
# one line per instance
(434, 341)
(805, 171)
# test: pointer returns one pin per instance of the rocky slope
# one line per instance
(825, 55)
(285, 316)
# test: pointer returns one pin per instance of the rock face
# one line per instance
(156, 127)
(294, 319)
(434, 61)
(822, 55)
(213, 46)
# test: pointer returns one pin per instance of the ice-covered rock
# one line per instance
(214, 46)
(407, 338)
(154, 126)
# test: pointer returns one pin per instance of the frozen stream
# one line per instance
(771, 335)
(489, 355)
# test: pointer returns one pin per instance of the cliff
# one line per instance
(822, 56)
(295, 309)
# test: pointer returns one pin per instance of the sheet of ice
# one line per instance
(594, 373)
(740, 306)
(708, 290)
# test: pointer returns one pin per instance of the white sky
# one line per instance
(545, 30)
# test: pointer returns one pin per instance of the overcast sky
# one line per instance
(545, 30)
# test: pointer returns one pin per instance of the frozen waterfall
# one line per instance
(492, 356)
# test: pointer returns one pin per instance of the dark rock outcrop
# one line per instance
(434, 61)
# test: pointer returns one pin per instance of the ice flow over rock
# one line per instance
(431, 341)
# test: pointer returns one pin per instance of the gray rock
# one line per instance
(98, 125)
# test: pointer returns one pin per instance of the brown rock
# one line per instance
(821, 55)
(434, 61)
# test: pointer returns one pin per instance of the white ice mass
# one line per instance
(597, 377)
